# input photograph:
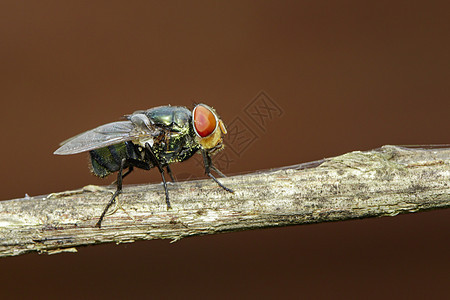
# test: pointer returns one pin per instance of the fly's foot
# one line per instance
(226, 189)
(220, 184)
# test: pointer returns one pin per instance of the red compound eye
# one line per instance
(204, 121)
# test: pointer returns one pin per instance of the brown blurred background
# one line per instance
(336, 76)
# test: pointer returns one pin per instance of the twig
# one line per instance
(381, 182)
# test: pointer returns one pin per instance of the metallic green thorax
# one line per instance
(176, 142)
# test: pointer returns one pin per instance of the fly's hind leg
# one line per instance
(118, 191)
(155, 162)
(130, 169)
(131, 163)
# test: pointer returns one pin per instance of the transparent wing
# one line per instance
(104, 135)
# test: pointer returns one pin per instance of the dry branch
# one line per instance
(381, 182)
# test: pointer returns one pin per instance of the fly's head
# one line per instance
(208, 128)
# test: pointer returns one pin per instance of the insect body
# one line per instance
(152, 138)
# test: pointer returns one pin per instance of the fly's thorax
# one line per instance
(174, 118)
(175, 142)
(175, 147)
(142, 141)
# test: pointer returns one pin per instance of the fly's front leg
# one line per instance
(217, 171)
(118, 191)
(208, 166)
(155, 162)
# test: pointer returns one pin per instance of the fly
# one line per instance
(153, 138)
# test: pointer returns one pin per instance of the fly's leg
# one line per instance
(220, 184)
(155, 162)
(169, 170)
(217, 171)
(118, 191)
(208, 166)
(130, 169)
(131, 162)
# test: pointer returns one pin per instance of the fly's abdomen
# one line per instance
(107, 160)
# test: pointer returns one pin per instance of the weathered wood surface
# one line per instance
(380, 182)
